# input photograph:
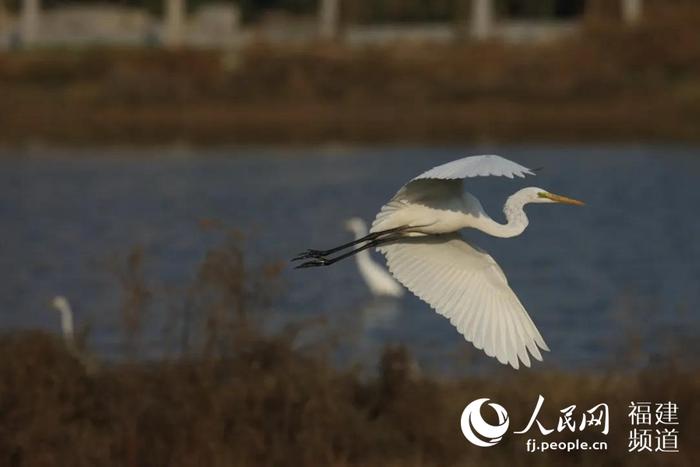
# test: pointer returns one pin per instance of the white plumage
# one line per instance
(417, 233)
(61, 304)
(459, 281)
(467, 286)
(88, 362)
(475, 166)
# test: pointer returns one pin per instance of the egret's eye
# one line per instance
(542, 194)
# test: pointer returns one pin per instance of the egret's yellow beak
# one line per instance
(561, 199)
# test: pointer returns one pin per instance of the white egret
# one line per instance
(378, 280)
(417, 233)
(61, 304)
(67, 328)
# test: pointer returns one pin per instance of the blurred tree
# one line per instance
(378, 11)
(155, 6)
(540, 8)
(252, 9)
(361, 11)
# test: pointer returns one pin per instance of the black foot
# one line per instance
(309, 254)
(313, 263)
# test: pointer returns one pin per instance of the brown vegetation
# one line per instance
(235, 396)
(609, 83)
(271, 404)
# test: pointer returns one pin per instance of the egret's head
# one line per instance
(60, 303)
(540, 195)
(356, 225)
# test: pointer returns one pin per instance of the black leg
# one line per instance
(321, 261)
(321, 253)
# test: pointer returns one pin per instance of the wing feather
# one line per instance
(468, 320)
(467, 286)
(511, 339)
(476, 166)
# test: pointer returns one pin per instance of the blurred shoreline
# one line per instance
(605, 85)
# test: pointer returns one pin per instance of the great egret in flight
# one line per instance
(378, 280)
(417, 233)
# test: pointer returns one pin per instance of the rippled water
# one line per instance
(627, 263)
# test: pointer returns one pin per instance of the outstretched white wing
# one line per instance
(468, 287)
(476, 166)
(445, 182)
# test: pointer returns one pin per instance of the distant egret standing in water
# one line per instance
(61, 304)
(67, 328)
(417, 233)
(376, 277)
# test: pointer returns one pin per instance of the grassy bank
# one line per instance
(271, 404)
(609, 83)
(230, 394)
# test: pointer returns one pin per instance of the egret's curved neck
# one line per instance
(515, 216)
(66, 321)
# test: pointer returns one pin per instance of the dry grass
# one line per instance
(270, 404)
(610, 83)
(233, 395)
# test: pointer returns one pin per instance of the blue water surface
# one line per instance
(627, 265)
